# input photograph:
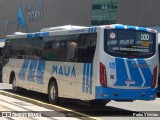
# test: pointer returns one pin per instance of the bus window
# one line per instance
(71, 47)
(86, 47)
(37, 48)
(48, 48)
(60, 48)
(14, 48)
(21, 48)
(29, 49)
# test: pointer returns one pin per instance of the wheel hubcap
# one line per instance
(52, 93)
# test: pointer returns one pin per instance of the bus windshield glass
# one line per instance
(129, 43)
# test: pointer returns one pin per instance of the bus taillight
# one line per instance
(103, 76)
(154, 77)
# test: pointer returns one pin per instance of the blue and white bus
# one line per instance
(98, 64)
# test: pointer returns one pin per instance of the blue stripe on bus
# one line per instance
(92, 30)
(119, 26)
(29, 35)
(135, 74)
(95, 29)
(89, 30)
(91, 75)
(23, 70)
(142, 29)
(32, 71)
(87, 79)
(131, 27)
(36, 35)
(146, 72)
(84, 77)
(40, 72)
(45, 34)
(121, 72)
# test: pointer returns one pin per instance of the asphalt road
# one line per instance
(113, 110)
(14, 109)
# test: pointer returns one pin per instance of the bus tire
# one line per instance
(98, 103)
(53, 93)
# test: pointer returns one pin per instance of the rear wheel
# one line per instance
(53, 93)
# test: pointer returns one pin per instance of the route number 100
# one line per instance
(144, 37)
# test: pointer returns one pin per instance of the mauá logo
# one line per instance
(34, 10)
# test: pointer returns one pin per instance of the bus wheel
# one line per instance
(14, 87)
(53, 93)
(98, 103)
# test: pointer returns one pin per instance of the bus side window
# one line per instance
(7, 52)
(22, 48)
(60, 45)
(86, 50)
(48, 51)
(72, 45)
(37, 48)
(91, 45)
(14, 48)
(29, 49)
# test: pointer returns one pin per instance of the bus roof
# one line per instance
(71, 29)
(60, 28)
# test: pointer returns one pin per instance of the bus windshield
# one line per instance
(129, 43)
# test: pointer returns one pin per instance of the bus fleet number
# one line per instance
(144, 37)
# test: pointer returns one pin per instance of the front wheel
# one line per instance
(53, 93)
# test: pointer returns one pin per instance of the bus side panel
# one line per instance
(48, 74)
(85, 81)
(74, 80)
(20, 76)
(6, 73)
(90, 73)
(7, 69)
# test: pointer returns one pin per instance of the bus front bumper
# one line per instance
(125, 94)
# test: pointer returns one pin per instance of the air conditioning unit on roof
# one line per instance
(60, 28)
(18, 33)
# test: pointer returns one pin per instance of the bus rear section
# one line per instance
(129, 65)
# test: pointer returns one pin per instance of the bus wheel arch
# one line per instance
(53, 91)
(12, 75)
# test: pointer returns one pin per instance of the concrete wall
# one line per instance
(40, 14)
(139, 12)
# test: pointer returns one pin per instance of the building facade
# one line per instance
(33, 15)
(104, 12)
(139, 12)
(132, 12)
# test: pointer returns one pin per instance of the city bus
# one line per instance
(96, 64)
